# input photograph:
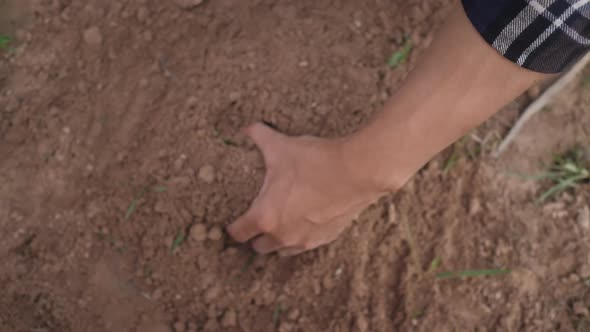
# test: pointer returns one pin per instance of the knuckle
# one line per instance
(266, 225)
(287, 240)
(308, 245)
(234, 232)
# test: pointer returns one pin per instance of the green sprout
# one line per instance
(178, 241)
(135, 202)
(471, 273)
(5, 42)
(401, 55)
(566, 172)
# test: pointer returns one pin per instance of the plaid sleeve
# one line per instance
(541, 35)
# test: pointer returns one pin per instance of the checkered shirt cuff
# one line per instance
(541, 35)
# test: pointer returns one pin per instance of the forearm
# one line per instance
(457, 84)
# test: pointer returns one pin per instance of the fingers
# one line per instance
(266, 244)
(265, 138)
(245, 228)
(292, 251)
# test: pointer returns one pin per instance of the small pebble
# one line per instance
(293, 314)
(199, 232)
(580, 309)
(286, 327)
(157, 294)
(158, 328)
(234, 96)
(191, 326)
(179, 327)
(229, 319)
(192, 101)
(188, 4)
(207, 174)
(211, 325)
(563, 265)
(93, 36)
(215, 234)
(211, 294)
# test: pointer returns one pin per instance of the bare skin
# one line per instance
(315, 187)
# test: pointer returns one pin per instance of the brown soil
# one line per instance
(108, 104)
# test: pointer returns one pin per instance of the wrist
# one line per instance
(372, 167)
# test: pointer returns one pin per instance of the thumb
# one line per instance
(267, 140)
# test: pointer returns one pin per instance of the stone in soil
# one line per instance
(93, 36)
(229, 319)
(580, 309)
(188, 4)
(199, 232)
(563, 265)
(293, 314)
(179, 327)
(207, 174)
(215, 234)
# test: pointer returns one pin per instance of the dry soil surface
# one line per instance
(120, 165)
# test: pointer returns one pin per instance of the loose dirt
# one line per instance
(121, 163)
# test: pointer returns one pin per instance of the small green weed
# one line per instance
(248, 262)
(566, 171)
(401, 55)
(229, 142)
(178, 241)
(135, 202)
(159, 189)
(276, 315)
(418, 313)
(472, 273)
(5, 42)
(434, 264)
(464, 147)
(453, 159)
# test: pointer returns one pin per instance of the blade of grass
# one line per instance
(248, 262)
(452, 161)
(159, 189)
(434, 264)
(400, 56)
(276, 315)
(563, 185)
(536, 177)
(229, 142)
(418, 313)
(178, 241)
(4, 42)
(131, 209)
(472, 273)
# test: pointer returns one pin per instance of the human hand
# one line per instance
(311, 193)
